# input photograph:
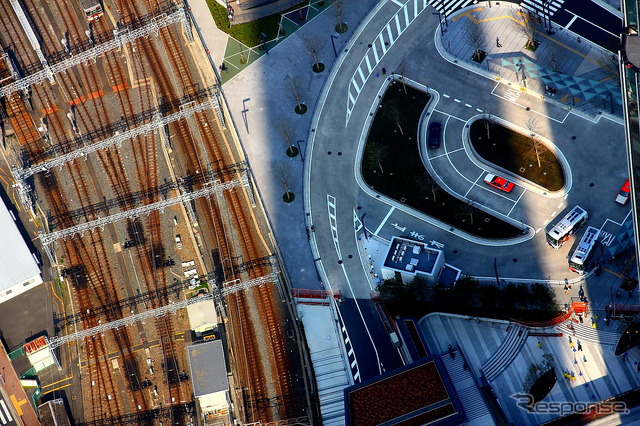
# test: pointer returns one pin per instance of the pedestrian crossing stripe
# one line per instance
(388, 35)
(7, 414)
(543, 7)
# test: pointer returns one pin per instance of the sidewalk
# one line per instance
(572, 72)
(258, 100)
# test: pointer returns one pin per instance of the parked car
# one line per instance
(435, 135)
(623, 195)
(499, 183)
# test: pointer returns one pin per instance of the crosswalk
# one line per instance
(5, 415)
(450, 6)
(542, 7)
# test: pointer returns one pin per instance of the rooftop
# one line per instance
(416, 394)
(16, 262)
(208, 368)
(411, 256)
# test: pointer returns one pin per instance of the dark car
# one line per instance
(435, 135)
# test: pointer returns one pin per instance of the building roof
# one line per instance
(419, 393)
(208, 368)
(16, 262)
(411, 256)
(202, 314)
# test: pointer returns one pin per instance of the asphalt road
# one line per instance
(594, 152)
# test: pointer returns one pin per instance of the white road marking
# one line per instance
(449, 115)
(444, 95)
(545, 222)
(560, 205)
(571, 21)
(467, 105)
(554, 213)
(456, 100)
(389, 34)
(398, 2)
(516, 203)
(384, 220)
(478, 109)
(473, 184)
(398, 25)
(538, 230)
(366, 58)
(331, 208)
(384, 48)
(447, 153)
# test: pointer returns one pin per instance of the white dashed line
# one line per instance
(445, 95)
(456, 100)
(560, 205)
(538, 230)
(545, 222)
(467, 105)
(478, 109)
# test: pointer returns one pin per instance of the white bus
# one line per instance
(579, 258)
(92, 9)
(561, 231)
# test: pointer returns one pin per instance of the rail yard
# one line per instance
(116, 133)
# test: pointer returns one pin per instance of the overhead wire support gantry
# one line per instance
(121, 36)
(216, 294)
(215, 187)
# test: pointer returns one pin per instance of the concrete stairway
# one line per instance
(469, 394)
(602, 335)
(506, 353)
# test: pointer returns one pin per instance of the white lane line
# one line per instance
(384, 220)
(571, 21)
(406, 15)
(384, 48)
(361, 74)
(390, 34)
(375, 53)
(538, 230)
(447, 153)
(456, 100)
(560, 205)
(516, 203)
(473, 184)
(449, 115)
(444, 95)
(554, 213)
(478, 109)
(333, 222)
(398, 2)
(467, 105)
(545, 222)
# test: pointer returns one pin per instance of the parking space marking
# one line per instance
(449, 115)
(474, 184)
(516, 203)
(384, 220)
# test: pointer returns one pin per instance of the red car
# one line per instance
(499, 183)
(623, 195)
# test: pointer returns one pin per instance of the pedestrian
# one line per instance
(579, 346)
(584, 358)
(498, 42)
(581, 320)
(540, 345)
(606, 321)
(384, 71)
(566, 289)
(569, 339)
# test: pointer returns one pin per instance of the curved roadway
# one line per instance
(594, 151)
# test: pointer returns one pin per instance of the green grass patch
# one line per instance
(516, 153)
(391, 165)
(248, 33)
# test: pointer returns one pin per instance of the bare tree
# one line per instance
(532, 126)
(293, 85)
(476, 39)
(488, 119)
(609, 61)
(283, 174)
(339, 12)
(314, 45)
(526, 24)
(285, 130)
(554, 56)
(377, 154)
(392, 111)
(402, 71)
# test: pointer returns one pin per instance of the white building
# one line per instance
(407, 259)
(19, 269)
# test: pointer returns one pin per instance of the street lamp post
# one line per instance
(334, 37)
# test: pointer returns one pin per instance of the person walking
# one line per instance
(579, 345)
(498, 42)
(540, 345)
